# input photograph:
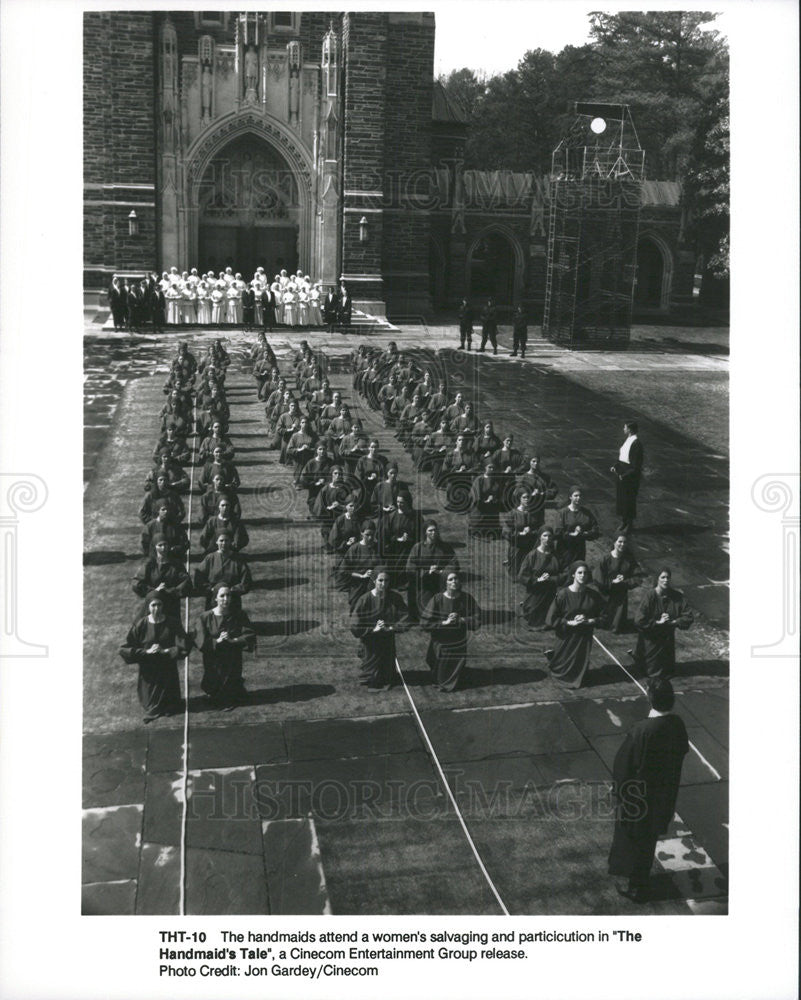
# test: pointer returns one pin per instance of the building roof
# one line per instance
(445, 107)
(660, 193)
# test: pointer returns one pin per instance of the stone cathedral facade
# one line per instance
(261, 139)
(316, 141)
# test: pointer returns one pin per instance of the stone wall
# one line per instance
(409, 184)
(364, 44)
(119, 145)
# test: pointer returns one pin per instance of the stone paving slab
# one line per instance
(211, 747)
(114, 769)
(710, 709)
(705, 810)
(477, 781)
(159, 880)
(702, 884)
(474, 734)
(605, 716)
(109, 898)
(376, 868)
(165, 750)
(333, 790)
(350, 737)
(111, 841)
(219, 883)
(579, 765)
(221, 814)
(295, 882)
(163, 808)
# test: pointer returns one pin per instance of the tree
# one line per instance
(675, 76)
(707, 188)
(670, 67)
(466, 86)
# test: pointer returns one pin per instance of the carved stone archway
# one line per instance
(666, 282)
(275, 134)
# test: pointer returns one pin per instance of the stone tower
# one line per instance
(295, 140)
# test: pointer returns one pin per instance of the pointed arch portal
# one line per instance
(248, 197)
(495, 264)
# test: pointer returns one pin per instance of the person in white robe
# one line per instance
(203, 303)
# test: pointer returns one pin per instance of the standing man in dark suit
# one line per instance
(345, 306)
(628, 470)
(267, 309)
(330, 309)
(134, 306)
(519, 333)
(157, 307)
(148, 286)
(646, 776)
(116, 299)
(465, 325)
(489, 326)
(126, 314)
(248, 307)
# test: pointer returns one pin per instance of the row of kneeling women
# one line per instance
(393, 566)
(157, 641)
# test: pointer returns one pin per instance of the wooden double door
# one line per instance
(244, 248)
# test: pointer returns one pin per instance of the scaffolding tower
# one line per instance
(593, 228)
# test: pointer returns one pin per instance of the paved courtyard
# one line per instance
(318, 797)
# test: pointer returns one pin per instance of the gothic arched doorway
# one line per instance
(654, 274)
(248, 210)
(494, 269)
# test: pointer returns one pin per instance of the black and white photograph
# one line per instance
(439, 487)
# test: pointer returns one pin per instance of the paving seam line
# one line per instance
(444, 780)
(185, 748)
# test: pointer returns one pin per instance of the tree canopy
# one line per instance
(670, 67)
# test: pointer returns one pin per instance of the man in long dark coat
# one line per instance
(267, 308)
(628, 472)
(646, 775)
(489, 326)
(466, 316)
(330, 310)
(344, 307)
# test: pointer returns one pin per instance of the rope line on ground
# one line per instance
(632, 677)
(185, 747)
(444, 780)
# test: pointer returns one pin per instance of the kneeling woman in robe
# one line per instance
(573, 614)
(617, 575)
(483, 516)
(222, 635)
(156, 643)
(662, 611)
(448, 617)
(354, 573)
(377, 617)
(540, 575)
